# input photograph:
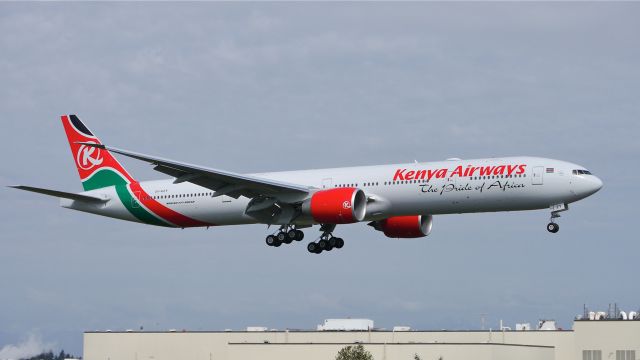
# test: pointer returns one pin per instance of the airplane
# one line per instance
(399, 200)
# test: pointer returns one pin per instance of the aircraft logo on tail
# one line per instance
(97, 167)
(85, 157)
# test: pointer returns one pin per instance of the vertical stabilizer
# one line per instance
(97, 167)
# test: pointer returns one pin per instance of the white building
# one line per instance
(587, 340)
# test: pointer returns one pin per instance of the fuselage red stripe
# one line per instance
(161, 210)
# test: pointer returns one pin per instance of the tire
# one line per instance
(323, 244)
(292, 234)
(299, 235)
(282, 236)
(287, 238)
(553, 228)
(339, 243)
(313, 248)
(277, 244)
(271, 240)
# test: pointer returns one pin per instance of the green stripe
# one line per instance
(138, 211)
(107, 177)
(103, 178)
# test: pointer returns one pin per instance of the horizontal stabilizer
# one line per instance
(60, 194)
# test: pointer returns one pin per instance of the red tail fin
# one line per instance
(97, 167)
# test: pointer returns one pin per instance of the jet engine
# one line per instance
(336, 206)
(412, 226)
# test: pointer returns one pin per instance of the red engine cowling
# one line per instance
(412, 226)
(336, 206)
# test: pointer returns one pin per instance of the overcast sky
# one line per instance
(259, 87)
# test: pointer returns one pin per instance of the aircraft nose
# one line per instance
(596, 184)
(591, 185)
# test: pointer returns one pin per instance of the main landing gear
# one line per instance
(327, 241)
(286, 235)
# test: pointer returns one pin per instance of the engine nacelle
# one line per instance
(336, 206)
(412, 226)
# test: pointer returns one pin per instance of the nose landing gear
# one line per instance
(552, 226)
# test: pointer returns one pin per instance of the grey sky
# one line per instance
(255, 87)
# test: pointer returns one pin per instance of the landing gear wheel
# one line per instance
(299, 235)
(292, 234)
(313, 248)
(271, 240)
(287, 238)
(323, 244)
(553, 227)
(282, 236)
(339, 243)
(333, 242)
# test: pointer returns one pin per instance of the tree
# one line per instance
(49, 355)
(357, 352)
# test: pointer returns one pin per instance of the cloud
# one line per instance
(265, 87)
(32, 346)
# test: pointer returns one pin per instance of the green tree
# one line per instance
(49, 355)
(357, 352)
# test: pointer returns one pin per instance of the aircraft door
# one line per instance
(536, 178)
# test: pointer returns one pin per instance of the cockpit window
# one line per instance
(581, 172)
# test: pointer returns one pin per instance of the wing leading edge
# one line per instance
(220, 181)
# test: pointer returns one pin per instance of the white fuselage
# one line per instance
(444, 187)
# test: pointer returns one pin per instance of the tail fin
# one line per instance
(97, 167)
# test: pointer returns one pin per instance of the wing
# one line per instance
(61, 194)
(220, 181)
